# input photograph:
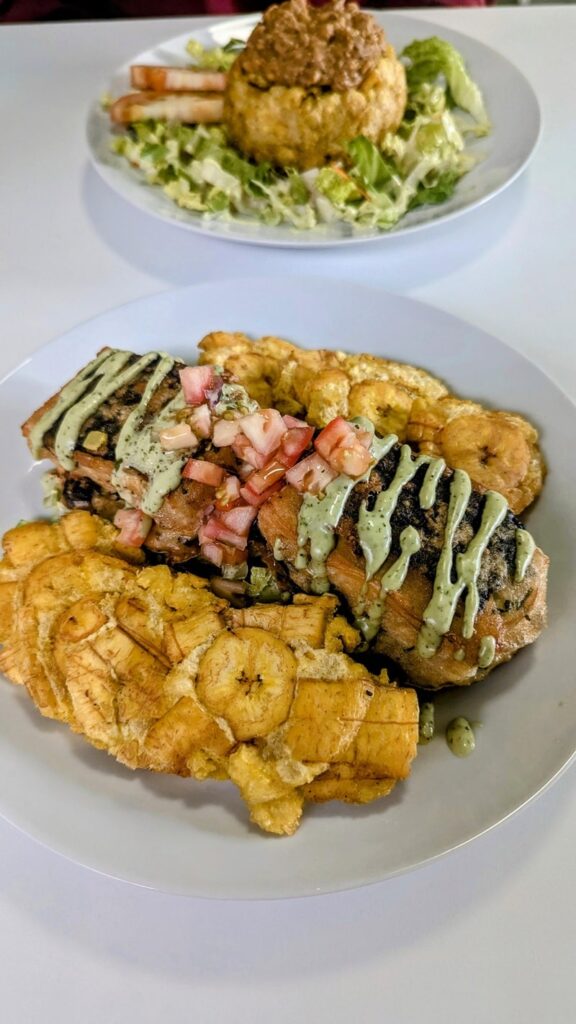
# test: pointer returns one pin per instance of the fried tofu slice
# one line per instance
(152, 667)
(180, 107)
(174, 79)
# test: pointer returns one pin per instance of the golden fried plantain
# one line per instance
(152, 667)
(499, 450)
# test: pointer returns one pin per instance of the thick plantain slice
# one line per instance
(248, 677)
(152, 667)
(499, 450)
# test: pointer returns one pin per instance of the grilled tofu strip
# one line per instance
(439, 576)
(182, 107)
(167, 79)
(402, 607)
(89, 481)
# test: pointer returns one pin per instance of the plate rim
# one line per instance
(119, 180)
(382, 295)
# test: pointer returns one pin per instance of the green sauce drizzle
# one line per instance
(440, 611)
(68, 396)
(486, 651)
(110, 376)
(525, 548)
(319, 517)
(460, 737)
(426, 723)
(393, 578)
(138, 447)
(374, 529)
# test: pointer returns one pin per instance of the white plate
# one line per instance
(510, 99)
(188, 837)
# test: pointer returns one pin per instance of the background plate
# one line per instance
(193, 838)
(510, 100)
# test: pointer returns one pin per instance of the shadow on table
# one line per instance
(201, 941)
(181, 257)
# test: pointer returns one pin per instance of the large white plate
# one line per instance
(194, 838)
(510, 99)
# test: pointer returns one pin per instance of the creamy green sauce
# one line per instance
(426, 723)
(460, 654)
(460, 737)
(69, 394)
(432, 476)
(440, 611)
(374, 529)
(279, 549)
(486, 651)
(139, 447)
(111, 375)
(525, 548)
(369, 621)
(319, 517)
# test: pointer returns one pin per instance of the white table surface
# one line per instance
(486, 934)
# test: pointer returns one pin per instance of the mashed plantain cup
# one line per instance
(311, 79)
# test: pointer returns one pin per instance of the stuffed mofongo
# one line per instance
(311, 79)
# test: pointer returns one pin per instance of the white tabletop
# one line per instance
(486, 934)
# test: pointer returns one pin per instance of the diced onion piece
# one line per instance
(227, 589)
(332, 435)
(215, 530)
(233, 556)
(239, 519)
(197, 382)
(294, 442)
(212, 552)
(352, 459)
(364, 436)
(224, 432)
(228, 492)
(264, 429)
(204, 472)
(258, 499)
(179, 436)
(292, 421)
(134, 527)
(247, 453)
(245, 470)
(312, 474)
(262, 479)
(344, 447)
(201, 421)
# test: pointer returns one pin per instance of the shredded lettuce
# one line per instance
(263, 587)
(430, 58)
(219, 58)
(421, 163)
